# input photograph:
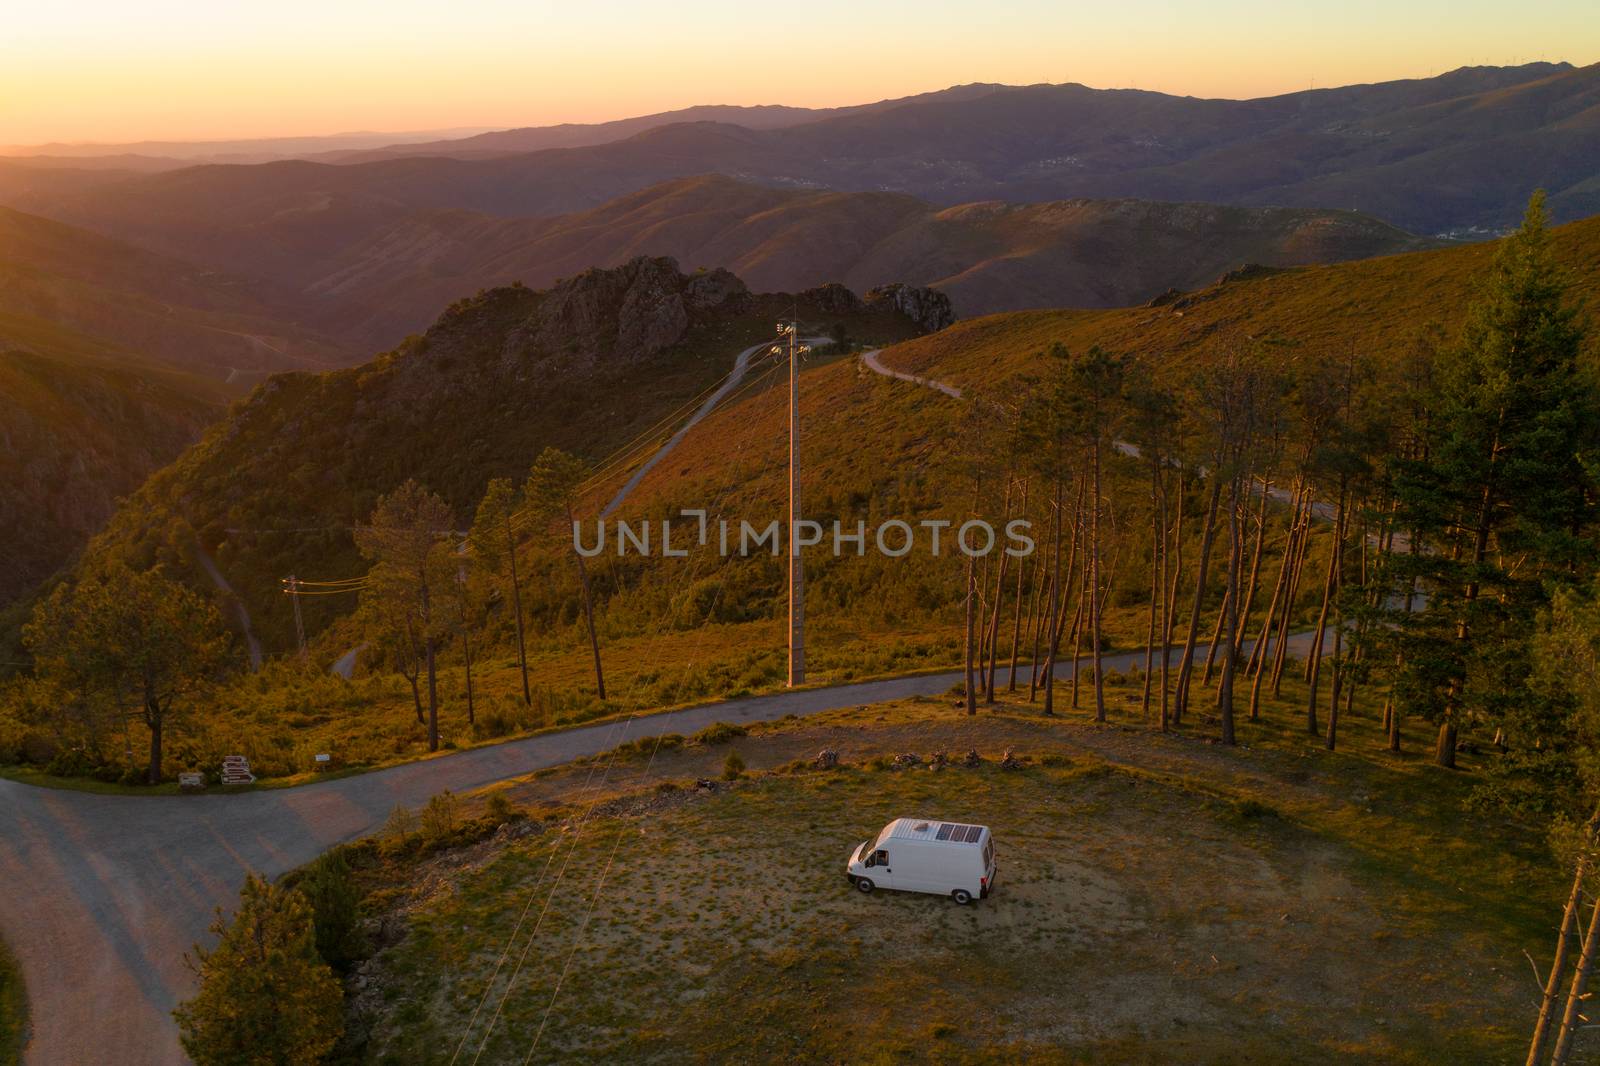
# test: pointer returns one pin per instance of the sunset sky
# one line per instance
(108, 70)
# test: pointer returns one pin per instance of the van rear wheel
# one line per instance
(864, 884)
(961, 896)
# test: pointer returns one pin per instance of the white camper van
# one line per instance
(926, 855)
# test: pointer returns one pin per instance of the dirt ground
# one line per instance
(1160, 899)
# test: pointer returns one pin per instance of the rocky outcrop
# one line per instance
(626, 313)
(929, 308)
(833, 299)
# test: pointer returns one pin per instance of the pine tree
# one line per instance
(266, 998)
(1504, 497)
(336, 912)
(552, 493)
(411, 567)
(137, 642)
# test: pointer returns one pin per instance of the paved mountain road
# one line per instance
(104, 894)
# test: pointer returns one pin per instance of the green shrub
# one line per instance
(401, 825)
(335, 907)
(440, 816)
(500, 809)
(719, 733)
(732, 767)
(270, 944)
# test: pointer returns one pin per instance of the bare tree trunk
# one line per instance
(1077, 626)
(999, 595)
(1041, 575)
(1258, 653)
(1552, 984)
(1095, 603)
(516, 605)
(1302, 553)
(1329, 586)
(1230, 652)
(1578, 989)
(1399, 660)
(1332, 739)
(1169, 613)
(1216, 636)
(1158, 520)
(429, 657)
(971, 697)
(1255, 566)
(588, 617)
(1055, 584)
(155, 718)
(1016, 621)
(1047, 594)
(466, 655)
(416, 696)
(1207, 539)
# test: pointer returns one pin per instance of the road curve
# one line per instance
(735, 376)
(106, 893)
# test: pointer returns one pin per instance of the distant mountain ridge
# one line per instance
(1455, 153)
(134, 301)
(579, 135)
(370, 271)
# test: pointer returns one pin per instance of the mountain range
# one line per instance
(367, 271)
(1456, 153)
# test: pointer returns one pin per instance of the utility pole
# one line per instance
(797, 592)
(291, 585)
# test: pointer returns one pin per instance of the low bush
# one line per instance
(719, 733)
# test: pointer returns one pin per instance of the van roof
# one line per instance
(935, 830)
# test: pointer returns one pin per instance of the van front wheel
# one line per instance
(864, 885)
(961, 896)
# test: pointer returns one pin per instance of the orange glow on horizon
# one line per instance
(177, 70)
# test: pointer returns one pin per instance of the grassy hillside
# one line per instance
(164, 309)
(82, 429)
(1157, 900)
(586, 366)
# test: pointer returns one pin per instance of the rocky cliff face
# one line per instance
(627, 313)
(929, 308)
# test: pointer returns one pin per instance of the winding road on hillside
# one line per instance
(105, 893)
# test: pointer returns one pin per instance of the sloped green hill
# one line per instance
(585, 365)
(133, 300)
(80, 429)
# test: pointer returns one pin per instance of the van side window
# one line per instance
(880, 858)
